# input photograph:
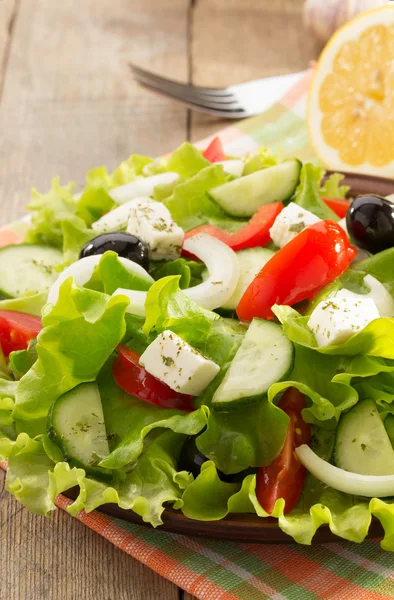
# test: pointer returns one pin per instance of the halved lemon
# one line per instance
(351, 99)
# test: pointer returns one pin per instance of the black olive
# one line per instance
(191, 460)
(124, 244)
(370, 222)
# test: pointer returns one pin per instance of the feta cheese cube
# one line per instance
(383, 300)
(151, 221)
(179, 365)
(336, 319)
(115, 220)
(290, 222)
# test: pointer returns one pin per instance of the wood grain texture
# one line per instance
(245, 40)
(8, 10)
(61, 559)
(69, 102)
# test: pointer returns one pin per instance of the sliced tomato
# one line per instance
(339, 206)
(255, 233)
(285, 476)
(16, 330)
(315, 257)
(136, 381)
(214, 152)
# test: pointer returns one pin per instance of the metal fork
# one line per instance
(233, 102)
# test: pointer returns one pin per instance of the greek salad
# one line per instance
(206, 332)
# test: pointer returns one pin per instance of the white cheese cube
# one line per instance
(336, 319)
(115, 220)
(151, 221)
(179, 365)
(290, 222)
(143, 186)
(383, 300)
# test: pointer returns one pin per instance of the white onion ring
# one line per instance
(82, 270)
(223, 268)
(371, 486)
(142, 186)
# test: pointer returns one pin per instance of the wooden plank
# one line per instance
(245, 40)
(8, 9)
(61, 559)
(69, 102)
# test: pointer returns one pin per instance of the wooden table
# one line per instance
(68, 103)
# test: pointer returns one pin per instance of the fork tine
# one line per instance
(218, 110)
(196, 90)
(183, 95)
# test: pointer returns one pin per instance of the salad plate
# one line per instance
(205, 343)
(251, 528)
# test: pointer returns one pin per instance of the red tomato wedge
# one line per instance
(136, 381)
(285, 476)
(314, 258)
(339, 206)
(214, 152)
(17, 329)
(255, 233)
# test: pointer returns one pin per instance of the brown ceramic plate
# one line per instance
(251, 528)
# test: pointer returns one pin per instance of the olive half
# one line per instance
(370, 222)
(124, 244)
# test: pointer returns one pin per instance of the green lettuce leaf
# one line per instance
(244, 438)
(129, 170)
(95, 200)
(207, 497)
(167, 307)
(112, 275)
(21, 361)
(332, 187)
(308, 195)
(187, 161)
(80, 333)
(380, 266)
(75, 236)
(31, 304)
(50, 210)
(30, 477)
(261, 159)
(129, 420)
(35, 480)
(190, 271)
(190, 205)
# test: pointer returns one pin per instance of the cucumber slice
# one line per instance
(242, 197)
(251, 261)
(76, 425)
(264, 357)
(362, 444)
(27, 269)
